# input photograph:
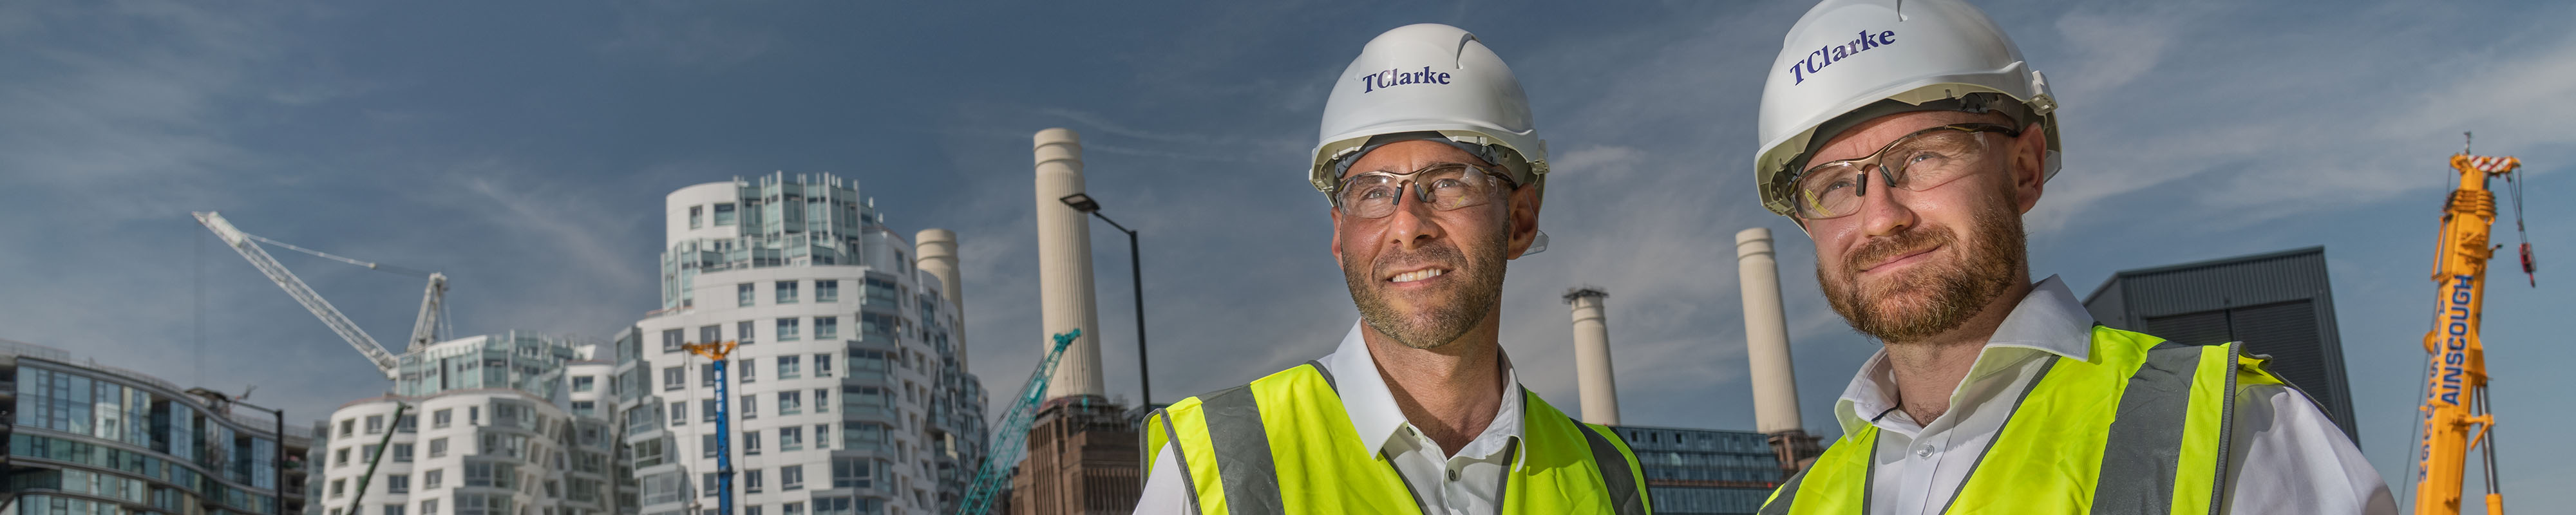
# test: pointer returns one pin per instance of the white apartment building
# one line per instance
(848, 397)
(509, 424)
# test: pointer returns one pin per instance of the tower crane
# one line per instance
(716, 352)
(2456, 416)
(1011, 438)
(424, 331)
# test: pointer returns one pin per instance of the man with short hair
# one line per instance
(1433, 173)
(1908, 140)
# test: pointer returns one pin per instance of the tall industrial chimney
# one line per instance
(1064, 265)
(937, 249)
(1766, 342)
(1592, 357)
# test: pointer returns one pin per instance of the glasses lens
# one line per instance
(1829, 190)
(1368, 196)
(1931, 159)
(1455, 186)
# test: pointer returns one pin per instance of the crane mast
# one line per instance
(1010, 439)
(424, 332)
(2456, 420)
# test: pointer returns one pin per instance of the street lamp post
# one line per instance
(277, 468)
(1136, 272)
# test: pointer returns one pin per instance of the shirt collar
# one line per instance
(2048, 319)
(1371, 407)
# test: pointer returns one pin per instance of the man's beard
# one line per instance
(1478, 290)
(1935, 297)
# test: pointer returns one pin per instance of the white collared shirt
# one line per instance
(1466, 484)
(2285, 456)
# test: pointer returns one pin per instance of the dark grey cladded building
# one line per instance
(2278, 303)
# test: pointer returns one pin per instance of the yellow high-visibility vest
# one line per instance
(1283, 444)
(2140, 427)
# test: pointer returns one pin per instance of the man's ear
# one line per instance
(1523, 220)
(1337, 234)
(2029, 166)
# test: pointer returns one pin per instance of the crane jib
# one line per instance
(2455, 345)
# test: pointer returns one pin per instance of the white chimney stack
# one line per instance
(1064, 265)
(1766, 334)
(1592, 370)
(937, 251)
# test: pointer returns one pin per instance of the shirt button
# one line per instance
(1924, 452)
(1453, 474)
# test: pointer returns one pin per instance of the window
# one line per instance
(707, 375)
(822, 403)
(786, 292)
(742, 294)
(826, 328)
(708, 482)
(393, 509)
(746, 371)
(724, 213)
(742, 331)
(398, 484)
(402, 453)
(750, 407)
(407, 424)
(585, 408)
(429, 507)
(707, 411)
(793, 508)
(790, 403)
(791, 438)
(375, 424)
(673, 377)
(679, 413)
(787, 330)
(822, 367)
(437, 448)
(790, 367)
(861, 435)
(439, 419)
(340, 458)
(339, 487)
(751, 481)
(791, 477)
(827, 290)
(695, 212)
(710, 333)
(751, 443)
(348, 427)
(368, 452)
(670, 341)
(822, 436)
(432, 480)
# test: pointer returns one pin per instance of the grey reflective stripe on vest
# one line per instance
(1244, 469)
(1180, 463)
(2143, 448)
(1624, 496)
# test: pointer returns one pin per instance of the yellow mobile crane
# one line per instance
(2456, 416)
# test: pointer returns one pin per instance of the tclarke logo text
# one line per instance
(1826, 56)
(1391, 78)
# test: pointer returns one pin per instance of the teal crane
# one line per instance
(1011, 439)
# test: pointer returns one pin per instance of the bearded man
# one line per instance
(1908, 140)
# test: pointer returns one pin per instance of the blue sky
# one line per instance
(524, 149)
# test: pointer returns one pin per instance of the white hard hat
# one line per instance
(1429, 78)
(1850, 61)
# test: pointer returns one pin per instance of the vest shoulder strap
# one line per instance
(1619, 474)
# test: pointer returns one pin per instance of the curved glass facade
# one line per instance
(97, 440)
